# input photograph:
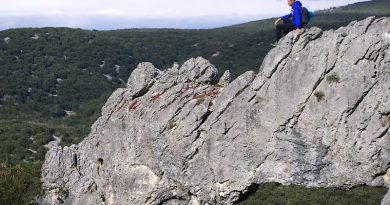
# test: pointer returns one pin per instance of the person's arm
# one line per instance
(286, 16)
(283, 18)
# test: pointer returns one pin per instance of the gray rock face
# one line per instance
(317, 114)
(142, 78)
(197, 70)
(225, 79)
(386, 199)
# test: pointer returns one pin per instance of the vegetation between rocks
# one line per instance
(274, 193)
(319, 95)
(333, 78)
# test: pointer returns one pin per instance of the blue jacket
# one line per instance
(296, 15)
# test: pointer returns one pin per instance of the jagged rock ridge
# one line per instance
(317, 114)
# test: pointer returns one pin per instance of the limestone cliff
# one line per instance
(316, 114)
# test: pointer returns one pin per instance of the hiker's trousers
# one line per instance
(283, 27)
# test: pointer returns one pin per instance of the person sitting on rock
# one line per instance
(289, 22)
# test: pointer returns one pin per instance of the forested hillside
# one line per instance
(53, 81)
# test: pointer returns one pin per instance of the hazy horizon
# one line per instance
(120, 14)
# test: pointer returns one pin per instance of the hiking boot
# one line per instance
(274, 44)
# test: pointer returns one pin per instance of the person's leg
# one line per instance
(283, 28)
(279, 30)
(288, 26)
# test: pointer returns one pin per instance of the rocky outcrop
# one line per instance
(386, 199)
(317, 114)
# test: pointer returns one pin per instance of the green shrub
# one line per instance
(63, 192)
(274, 193)
(319, 95)
(200, 100)
(103, 198)
(333, 78)
(19, 184)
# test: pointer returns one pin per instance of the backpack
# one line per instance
(307, 15)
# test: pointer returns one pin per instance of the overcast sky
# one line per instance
(116, 14)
